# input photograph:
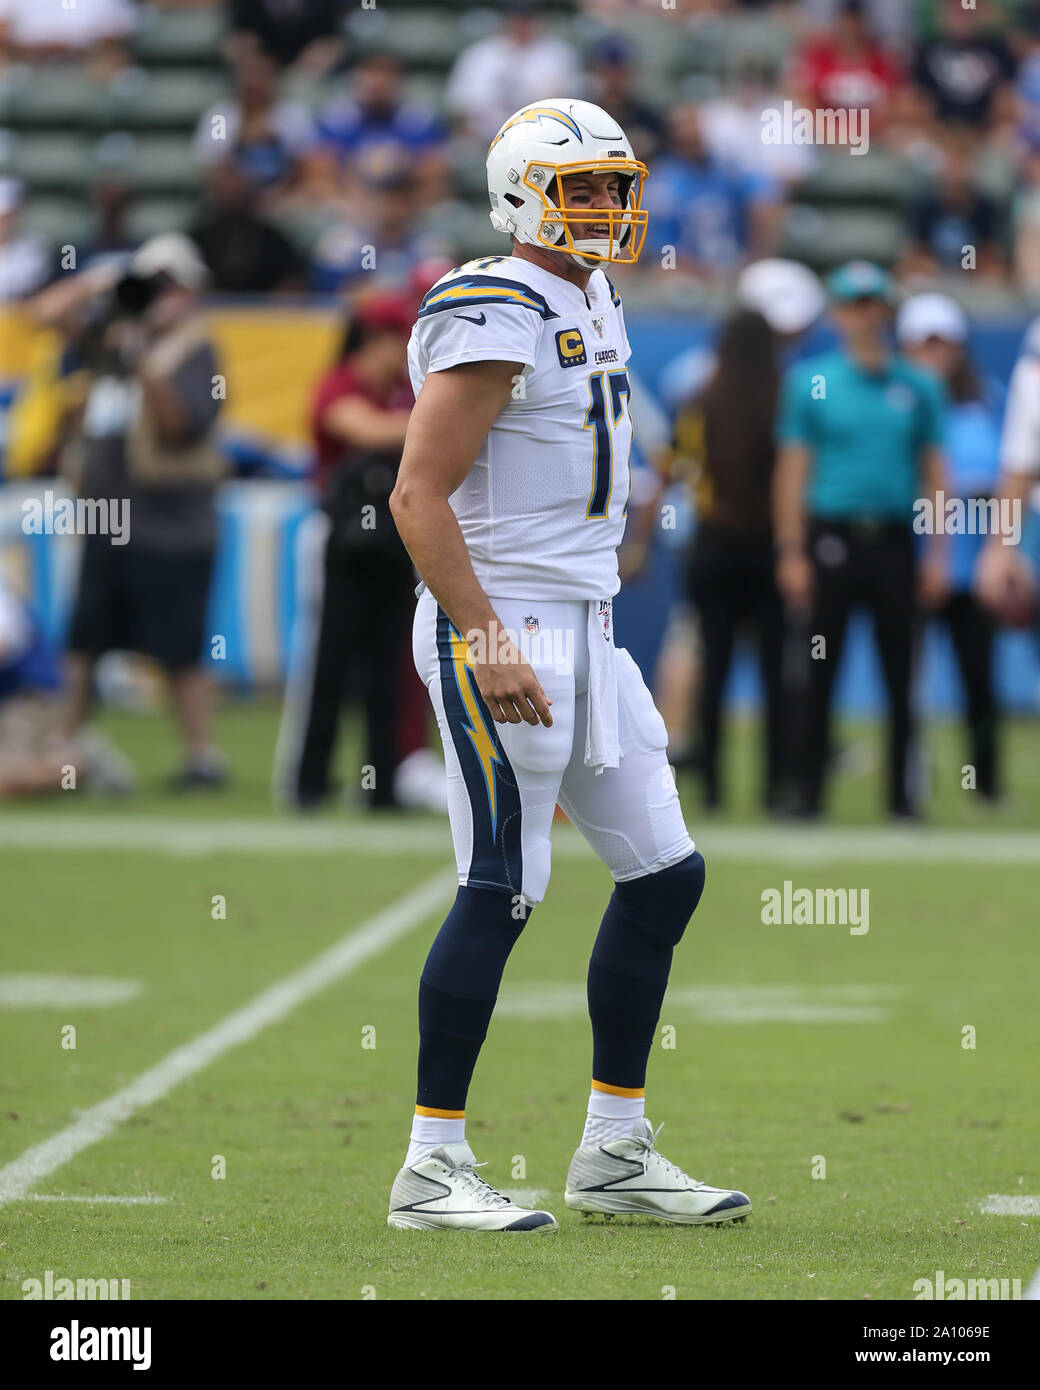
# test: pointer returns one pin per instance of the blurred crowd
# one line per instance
(363, 197)
(313, 193)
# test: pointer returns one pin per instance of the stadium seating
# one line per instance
(152, 164)
(59, 129)
(175, 35)
(869, 180)
(827, 237)
(52, 99)
(45, 164)
(61, 221)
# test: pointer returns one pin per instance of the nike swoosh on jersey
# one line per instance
(481, 318)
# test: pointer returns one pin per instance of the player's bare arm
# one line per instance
(793, 568)
(358, 422)
(934, 577)
(1004, 581)
(451, 419)
(1001, 571)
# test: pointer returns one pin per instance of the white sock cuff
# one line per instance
(606, 1106)
(434, 1130)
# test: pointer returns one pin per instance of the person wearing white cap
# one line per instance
(174, 256)
(788, 295)
(932, 331)
(1004, 580)
(26, 262)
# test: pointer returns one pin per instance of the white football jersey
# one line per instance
(543, 508)
(1020, 445)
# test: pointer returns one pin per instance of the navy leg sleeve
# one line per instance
(458, 989)
(628, 972)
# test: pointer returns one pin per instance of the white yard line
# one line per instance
(373, 937)
(809, 845)
(716, 1003)
(65, 991)
(995, 1205)
(77, 1197)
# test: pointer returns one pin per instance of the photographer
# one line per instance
(146, 438)
(359, 418)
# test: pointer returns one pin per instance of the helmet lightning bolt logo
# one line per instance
(535, 113)
(476, 727)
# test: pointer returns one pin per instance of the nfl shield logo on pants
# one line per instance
(531, 624)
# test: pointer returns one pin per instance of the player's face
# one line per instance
(388, 355)
(861, 319)
(592, 191)
(938, 354)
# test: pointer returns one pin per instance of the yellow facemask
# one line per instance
(626, 226)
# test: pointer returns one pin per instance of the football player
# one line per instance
(511, 500)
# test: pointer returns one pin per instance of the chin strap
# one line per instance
(601, 245)
(502, 222)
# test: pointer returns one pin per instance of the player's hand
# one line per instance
(794, 579)
(1005, 584)
(632, 561)
(995, 572)
(933, 585)
(511, 690)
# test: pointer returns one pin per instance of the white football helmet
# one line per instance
(542, 144)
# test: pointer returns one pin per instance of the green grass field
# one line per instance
(792, 1045)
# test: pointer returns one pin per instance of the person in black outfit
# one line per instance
(245, 254)
(359, 418)
(932, 330)
(965, 68)
(952, 214)
(726, 433)
(299, 34)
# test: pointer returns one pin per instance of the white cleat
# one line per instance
(628, 1175)
(444, 1192)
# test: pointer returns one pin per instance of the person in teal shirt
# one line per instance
(859, 434)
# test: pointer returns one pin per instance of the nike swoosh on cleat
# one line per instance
(532, 1222)
(735, 1199)
(481, 318)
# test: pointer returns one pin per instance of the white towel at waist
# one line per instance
(601, 731)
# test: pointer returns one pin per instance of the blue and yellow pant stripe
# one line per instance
(496, 860)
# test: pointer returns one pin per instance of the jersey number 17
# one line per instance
(602, 423)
